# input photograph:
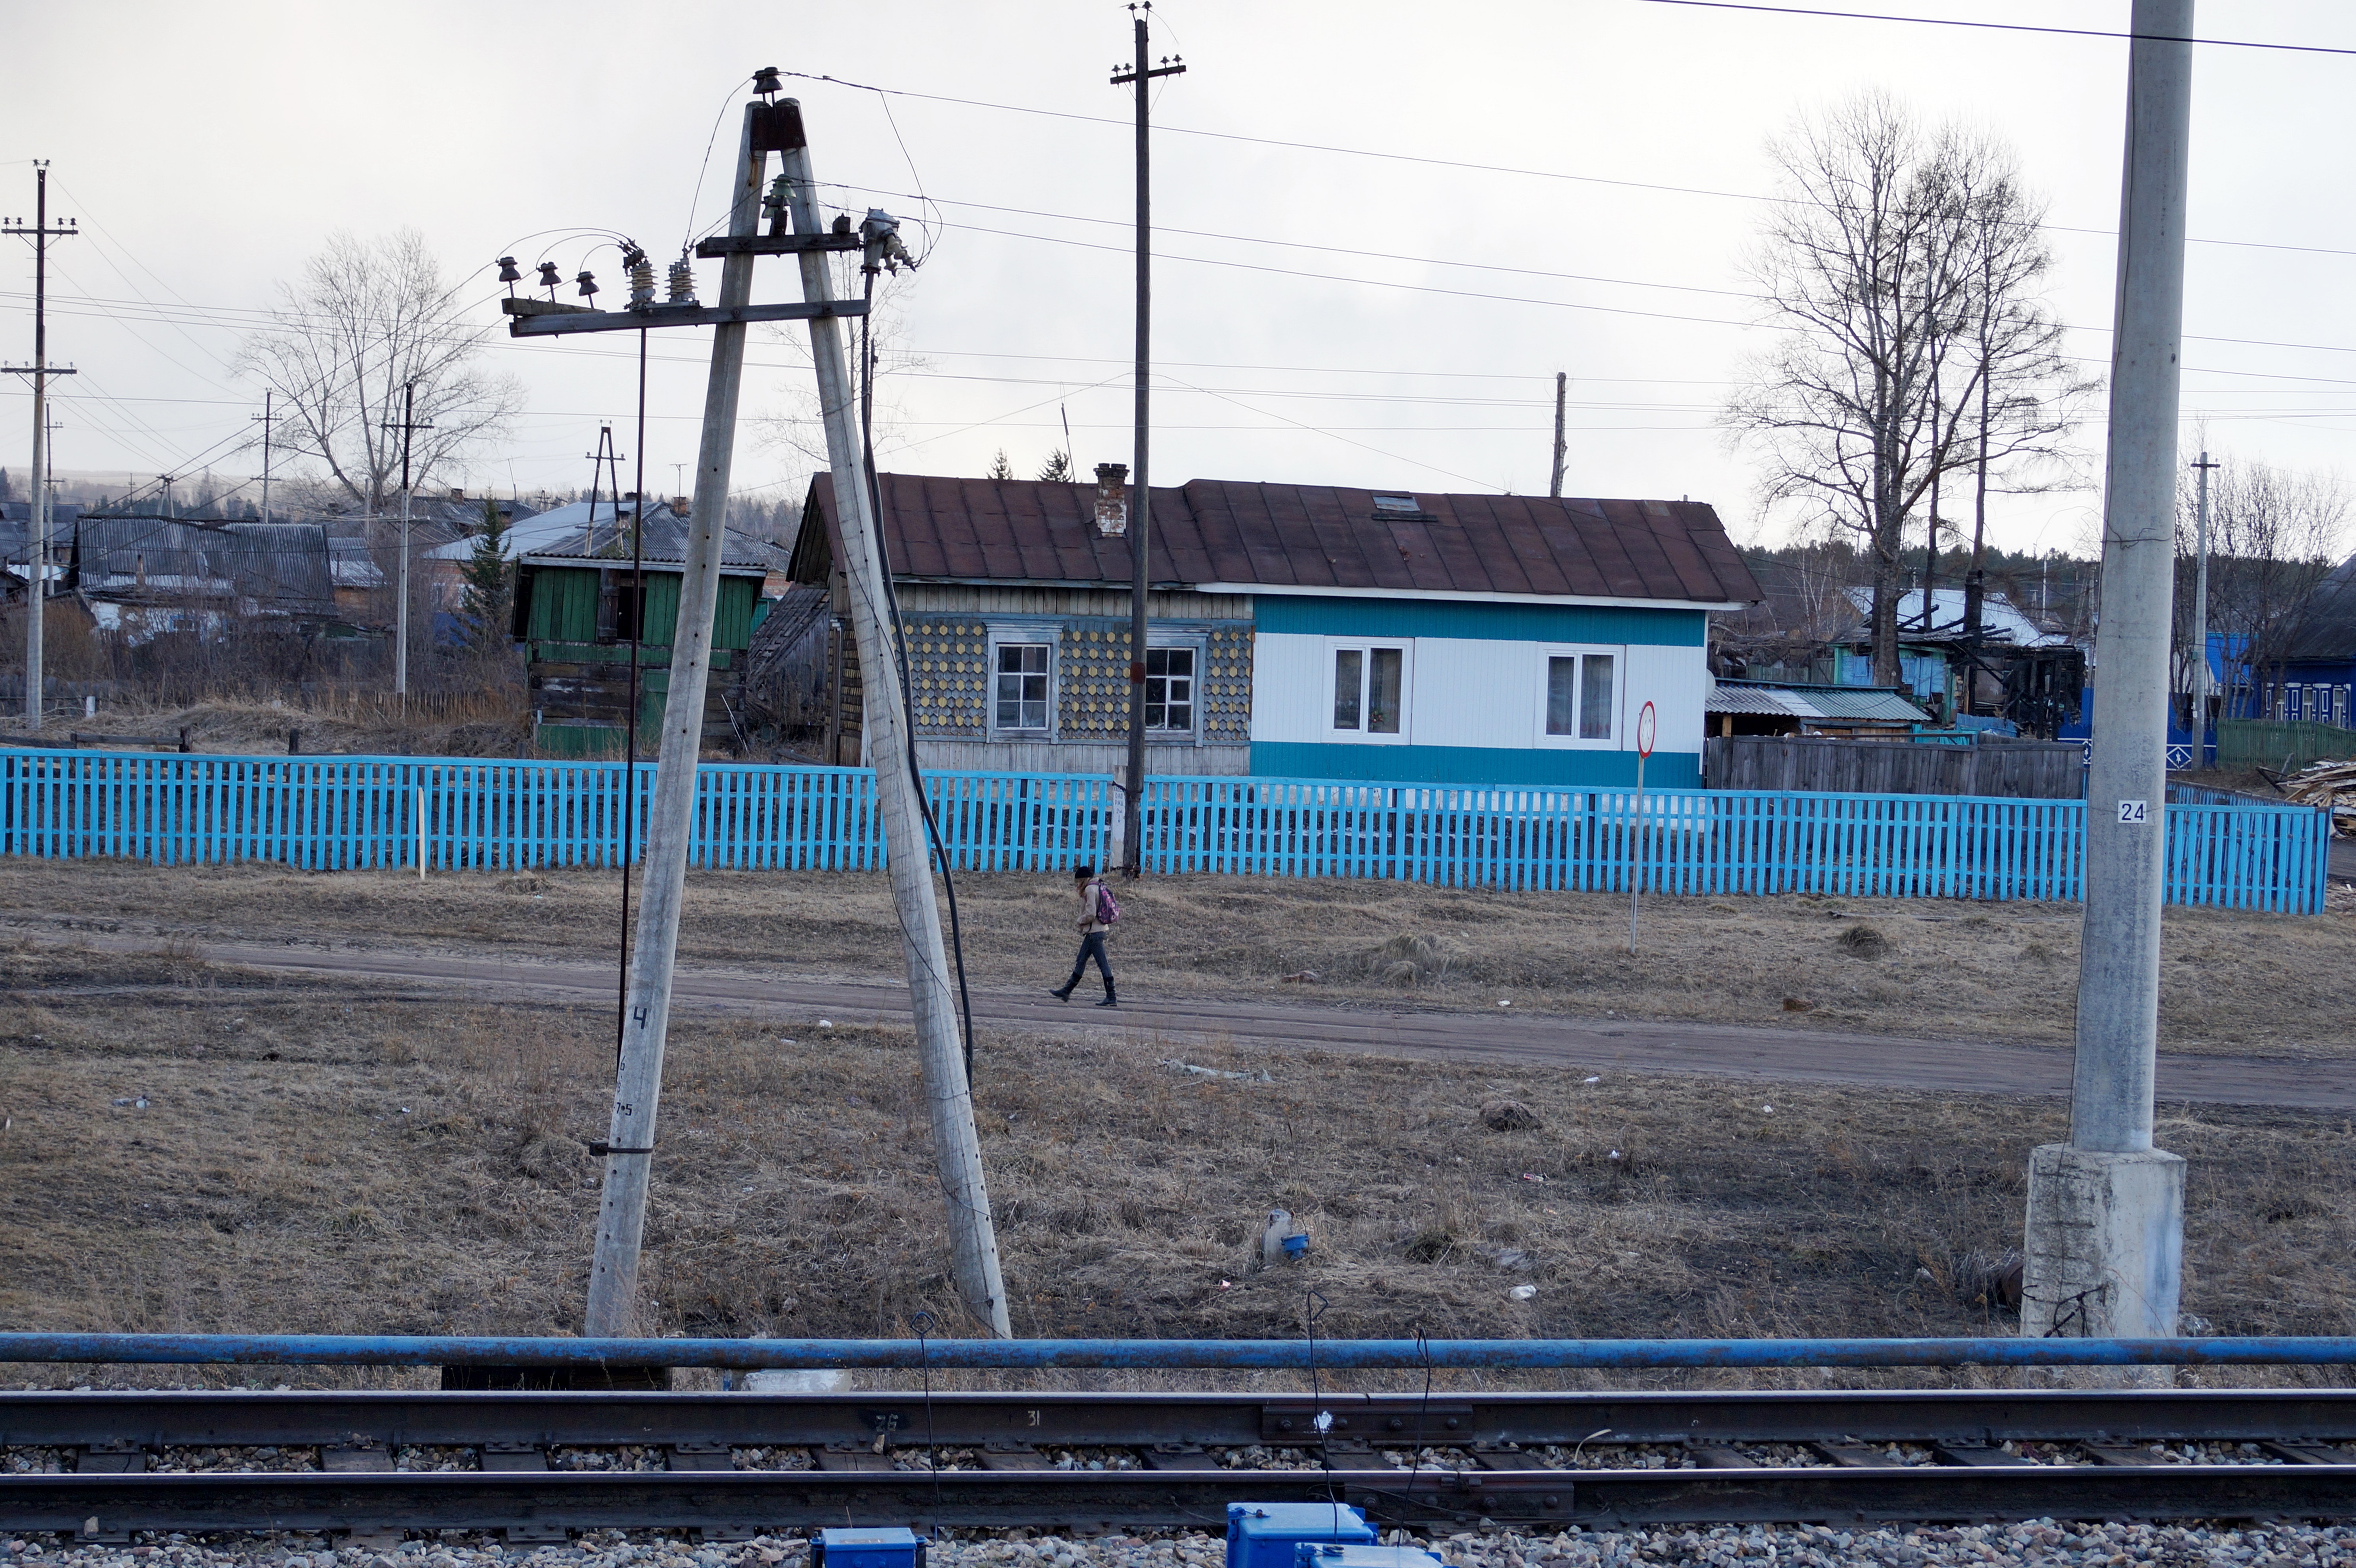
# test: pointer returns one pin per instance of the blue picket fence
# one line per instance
(358, 813)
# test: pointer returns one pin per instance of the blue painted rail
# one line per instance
(358, 812)
(745, 1355)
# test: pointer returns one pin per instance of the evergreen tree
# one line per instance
(7, 491)
(999, 468)
(491, 581)
(1057, 470)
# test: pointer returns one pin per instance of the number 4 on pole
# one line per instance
(1645, 725)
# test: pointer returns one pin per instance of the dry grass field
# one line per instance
(186, 1146)
(2231, 983)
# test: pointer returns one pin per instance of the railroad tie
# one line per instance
(1712, 1458)
(1014, 1456)
(363, 1459)
(1858, 1455)
(522, 1456)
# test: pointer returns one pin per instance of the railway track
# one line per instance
(100, 1466)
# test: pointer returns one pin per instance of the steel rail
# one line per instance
(537, 1504)
(1486, 1355)
(158, 1420)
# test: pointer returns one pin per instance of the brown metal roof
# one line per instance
(1272, 538)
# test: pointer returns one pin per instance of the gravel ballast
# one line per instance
(1805, 1546)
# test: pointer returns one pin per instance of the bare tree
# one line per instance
(2274, 535)
(367, 318)
(1902, 271)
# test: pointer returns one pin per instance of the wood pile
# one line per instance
(2329, 785)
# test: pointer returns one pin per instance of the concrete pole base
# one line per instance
(2105, 1252)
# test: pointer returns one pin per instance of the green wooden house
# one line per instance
(578, 611)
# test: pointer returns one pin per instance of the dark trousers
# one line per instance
(1091, 945)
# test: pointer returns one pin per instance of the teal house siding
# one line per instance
(1473, 766)
(1315, 615)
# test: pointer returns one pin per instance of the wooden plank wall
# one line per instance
(2013, 770)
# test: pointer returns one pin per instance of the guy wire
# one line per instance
(900, 647)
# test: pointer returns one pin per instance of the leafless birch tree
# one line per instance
(367, 317)
(1901, 269)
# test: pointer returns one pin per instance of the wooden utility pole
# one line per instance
(1561, 389)
(956, 1146)
(36, 516)
(1141, 510)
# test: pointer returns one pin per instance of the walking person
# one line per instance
(1098, 910)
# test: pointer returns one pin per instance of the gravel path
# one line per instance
(2037, 1542)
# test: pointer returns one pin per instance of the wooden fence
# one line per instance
(2283, 745)
(356, 813)
(2018, 770)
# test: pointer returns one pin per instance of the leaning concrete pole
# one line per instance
(646, 1009)
(2105, 1234)
(957, 1147)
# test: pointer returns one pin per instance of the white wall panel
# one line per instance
(1289, 701)
(1472, 693)
(1676, 681)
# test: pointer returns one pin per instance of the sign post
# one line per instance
(1646, 726)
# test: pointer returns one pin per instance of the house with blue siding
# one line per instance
(2316, 680)
(1297, 631)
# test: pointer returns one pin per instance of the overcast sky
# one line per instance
(209, 149)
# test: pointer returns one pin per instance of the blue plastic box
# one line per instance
(893, 1548)
(1269, 1535)
(1314, 1555)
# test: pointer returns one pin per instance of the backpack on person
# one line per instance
(1108, 907)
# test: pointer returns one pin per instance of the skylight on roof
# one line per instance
(1395, 503)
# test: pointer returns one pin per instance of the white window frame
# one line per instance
(1618, 740)
(1362, 736)
(1046, 634)
(1199, 648)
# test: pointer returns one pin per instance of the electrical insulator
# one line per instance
(683, 281)
(642, 284)
(588, 282)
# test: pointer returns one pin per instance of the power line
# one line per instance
(1467, 165)
(2007, 27)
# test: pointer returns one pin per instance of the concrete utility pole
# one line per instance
(409, 422)
(2201, 609)
(769, 127)
(956, 1146)
(646, 1013)
(2105, 1227)
(36, 515)
(1140, 511)
(1561, 392)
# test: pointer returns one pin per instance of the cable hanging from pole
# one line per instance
(900, 651)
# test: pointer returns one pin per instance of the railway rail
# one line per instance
(536, 1465)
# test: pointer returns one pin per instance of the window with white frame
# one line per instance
(1023, 682)
(1578, 696)
(2339, 707)
(1370, 689)
(1170, 688)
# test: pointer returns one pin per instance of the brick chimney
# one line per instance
(1112, 499)
(457, 495)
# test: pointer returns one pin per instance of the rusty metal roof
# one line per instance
(1311, 539)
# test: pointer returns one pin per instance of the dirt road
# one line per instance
(1777, 1055)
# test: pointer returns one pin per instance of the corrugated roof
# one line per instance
(1999, 620)
(569, 536)
(280, 568)
(1846, 704)
(1306, 537)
